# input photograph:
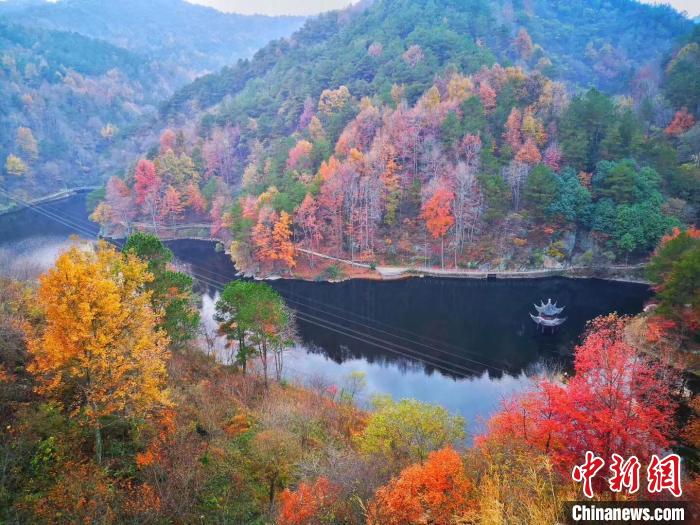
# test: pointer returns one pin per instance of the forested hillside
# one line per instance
(113, 413)
(582, 43)
(65, 99)
(76, 76)
(187, 38)
(382, 134)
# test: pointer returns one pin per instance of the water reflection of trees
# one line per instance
(456, 328)
(340, 348)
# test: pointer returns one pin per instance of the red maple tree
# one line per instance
(146, 180)
(437, 214)
(619, 401)
(147, 187)
(682, 122)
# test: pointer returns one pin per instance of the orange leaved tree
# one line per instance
(282, 238)
(436, 491)
(437, 213)
(311, 503)
(273, 239)
(682, 122)
(99, 354)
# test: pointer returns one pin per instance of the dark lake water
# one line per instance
(465, 344)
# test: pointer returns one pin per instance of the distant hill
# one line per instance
(66, 97)
(77, 75)
(61, 50)
(189, 38)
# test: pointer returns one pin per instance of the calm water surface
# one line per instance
(465, 344)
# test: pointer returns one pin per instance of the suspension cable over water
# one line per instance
(384, 344)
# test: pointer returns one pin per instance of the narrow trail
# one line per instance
(398, 272)
(614, 272)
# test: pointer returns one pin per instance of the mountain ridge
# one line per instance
(195, 37)
(323, 40)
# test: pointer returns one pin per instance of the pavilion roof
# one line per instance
(549, 309)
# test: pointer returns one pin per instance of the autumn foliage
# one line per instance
(147, 181)
(84, 494)
(512, 134)
(167, 140)
(99, 353)
(437, 212)
(299, 155)
(194, 199)
(618, 401)
(682, 122)
(436, 491)
(272, 236)
(260, 450)
(115, 405)
(528, 153)
(309, 504)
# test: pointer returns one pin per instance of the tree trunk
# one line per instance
(425, 249)
(456, 246)
(264, 361)
(242, 352)
(271, 493)
(279, 364)
(153, 217)
(442, 252)
(98, 443)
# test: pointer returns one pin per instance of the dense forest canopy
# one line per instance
(577, 42)
(66, 96)
(60, 49)
(411, 133)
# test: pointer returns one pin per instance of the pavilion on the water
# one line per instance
(548, 316)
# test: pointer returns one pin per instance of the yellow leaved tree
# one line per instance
(100, 354)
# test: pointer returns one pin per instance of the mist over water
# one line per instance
(29, 258)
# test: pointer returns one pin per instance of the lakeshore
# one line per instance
(631, 273)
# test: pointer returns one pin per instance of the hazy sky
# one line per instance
(309, 7)
(275, 7)
(692, 7)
